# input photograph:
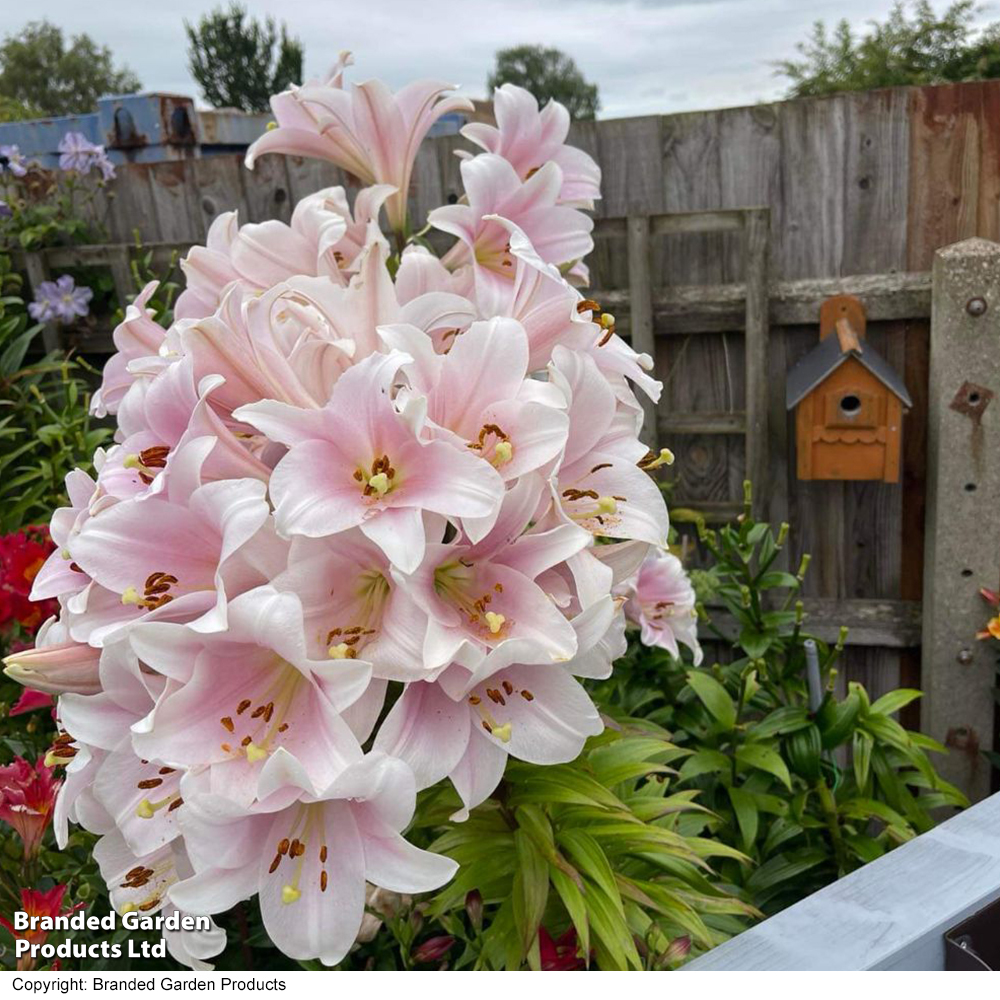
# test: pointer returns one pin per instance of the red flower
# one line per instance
(22, 555)
(27, 798)
(39, 904)
(561, 955)
(30, 701)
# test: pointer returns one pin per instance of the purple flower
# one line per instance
(60, 300)
(5, 211)
(80, 154)
(12, 159)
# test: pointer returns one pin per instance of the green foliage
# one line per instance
(594, 845)
(52, 208)
(44, 76)
(238, 61)
(913, 45)
(808, 795)
(550, 75)
(45, 427)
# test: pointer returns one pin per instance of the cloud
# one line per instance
(647, 56)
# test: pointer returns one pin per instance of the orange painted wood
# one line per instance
(849, 428)
(837, 308)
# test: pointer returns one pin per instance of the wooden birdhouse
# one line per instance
(848, 402)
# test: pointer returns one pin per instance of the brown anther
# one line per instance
(588, 305)
(227, 723)
(297, 849)
(282, 727)
(283, 846)
(607, 336)
(474, 699)
(154, 458)
(135, 872)
(246, 741)
(176, 804)
(269, 711)
(602, 465)
(274, 864)
(487, 726)
(527, 695)
(258, 711)
(243, 706)
(508, 687)
(149, 783)
(322, 854)
(498, 587)
(150, 904)
(167, 770)
(322, 881)
(226, 748)
(359, 475)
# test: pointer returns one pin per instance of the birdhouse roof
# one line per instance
(826, 357)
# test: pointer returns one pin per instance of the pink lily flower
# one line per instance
(662, 604)
(353, 606)
(324, 239)
(137, 336)
(553, 313)
(359, 462)
(560, 235)
(178, 550)
(142, 883)
(241, 694)
(60, 576)
(368, 131)
(599, 485)
(309, 861)
(57, 664)
(528, 139)
(465, 724)
(208, 270)
(294, 341)
(479, 397)
(481, 599)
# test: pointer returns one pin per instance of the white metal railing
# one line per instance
(891, 914)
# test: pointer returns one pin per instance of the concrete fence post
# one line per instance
(963, 508)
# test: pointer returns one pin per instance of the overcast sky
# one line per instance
(645, 55)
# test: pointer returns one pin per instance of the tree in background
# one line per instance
(40, 75)
(240, 62)
(913, 46)
(550, 75)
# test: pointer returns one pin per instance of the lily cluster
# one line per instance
(346, 544)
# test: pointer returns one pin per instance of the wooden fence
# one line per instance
(700, 212)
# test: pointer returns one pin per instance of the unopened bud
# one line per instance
(474, 909)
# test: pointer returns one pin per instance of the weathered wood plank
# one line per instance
(945, 165)
(890, 914)
(810, 212)
(758, 375)
(174, 192)
(703, 423)
(891, 624)
(687, 309)
(641, 312)
(876, 181)
(219, 188)
(266, 189)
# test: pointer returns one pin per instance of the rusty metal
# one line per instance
(972, 400)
